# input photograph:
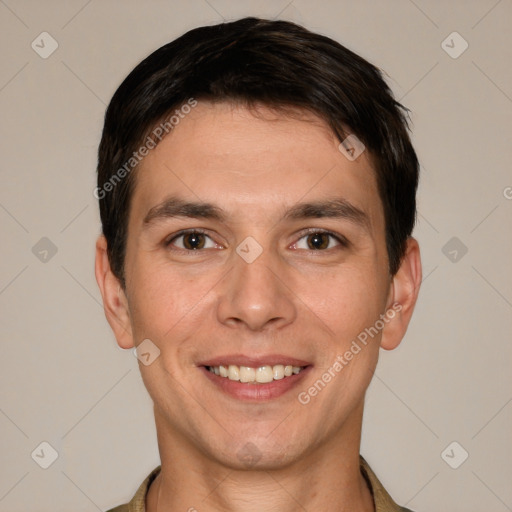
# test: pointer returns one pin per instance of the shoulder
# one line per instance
(137, 503)
(120, 508)
(383, 502)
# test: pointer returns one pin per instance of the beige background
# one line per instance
(63, 378)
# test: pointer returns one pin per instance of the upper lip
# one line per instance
(254, 361)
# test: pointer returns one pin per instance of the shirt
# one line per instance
(381, 499)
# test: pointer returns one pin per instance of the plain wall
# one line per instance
(63, 378)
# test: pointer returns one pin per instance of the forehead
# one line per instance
(253, 160)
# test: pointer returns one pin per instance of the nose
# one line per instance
(255, 295)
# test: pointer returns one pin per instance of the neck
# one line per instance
(327, 478)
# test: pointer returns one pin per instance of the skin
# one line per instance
(293, 299)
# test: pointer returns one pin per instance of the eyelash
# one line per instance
(343, 242)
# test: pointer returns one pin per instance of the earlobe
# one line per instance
(403, 295)
(115, 303)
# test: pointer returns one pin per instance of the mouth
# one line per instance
(255, 379)
(260, 375)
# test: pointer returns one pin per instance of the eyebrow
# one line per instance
(174, 207)
(337, 208)
(332, 208)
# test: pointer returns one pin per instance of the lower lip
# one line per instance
(256, 392)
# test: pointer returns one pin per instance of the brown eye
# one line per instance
(193, 241)
(318, 241)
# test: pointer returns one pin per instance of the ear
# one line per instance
(403, 293)
(115, 302)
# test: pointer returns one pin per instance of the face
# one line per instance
(255, 244)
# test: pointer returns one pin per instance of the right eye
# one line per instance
(191, 240)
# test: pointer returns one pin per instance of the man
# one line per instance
(257, 193)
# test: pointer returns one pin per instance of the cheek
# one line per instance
(350, 305)
(157, 300)
(347, 299)
(165, 303)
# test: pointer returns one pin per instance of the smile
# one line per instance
(255, 383)
(259, 375)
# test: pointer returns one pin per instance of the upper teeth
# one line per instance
(262, 374)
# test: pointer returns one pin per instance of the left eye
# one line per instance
(317, 241)
(192, 241)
